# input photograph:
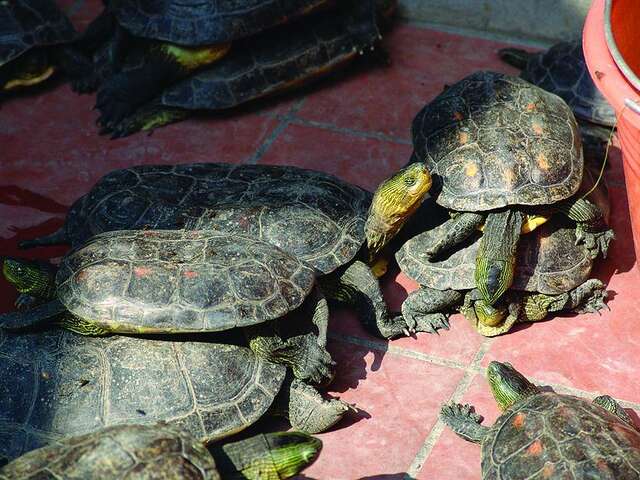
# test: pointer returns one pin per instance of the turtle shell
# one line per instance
(562, 70)
(161, 281)
(194, 22)
(56, 383)
(312, 215)
(114, 452)
(560, 436)
(548, 261)
(271, 62)
(493, 140)
(26, 24)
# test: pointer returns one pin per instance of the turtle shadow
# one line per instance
(18, 196)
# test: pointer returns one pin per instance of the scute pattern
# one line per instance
(560, 437)
(28, 24)
(562, 70)
(181, 280)
(315, 216)
(548, 261)
(57, 383)
(197, 22)
(493, 140)
(118, 452)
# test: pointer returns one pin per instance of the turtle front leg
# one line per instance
(588, 297)
(453, 232)
(147, 118)
(76, 66)
(464, 422)
(423, 309)
(611, 405)
(591, 229)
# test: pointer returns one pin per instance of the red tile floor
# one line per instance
(356, 127)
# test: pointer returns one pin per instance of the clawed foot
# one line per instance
(595, 242)
(451, 413)
(314, 364)
(596, 299)
(114, 101)
(86, 84)
(419, 321)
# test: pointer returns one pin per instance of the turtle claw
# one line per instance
(429, 322)
(596, 243)
(451, 411)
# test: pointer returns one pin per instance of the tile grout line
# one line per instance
(437, 429)
(284, 121)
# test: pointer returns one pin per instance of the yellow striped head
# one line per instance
(28, 276)
(291, 452)
(508, 385)
(493, 277)
(393, 203)
(489, 315)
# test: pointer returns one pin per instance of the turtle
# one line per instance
(543, 434)
(56, 384)
(271, 62)
(552, 274)
(503, 155)
(150, 282)
(164, 451)
(313, 215)
(36, 41)
(169, 40)
(562, 70)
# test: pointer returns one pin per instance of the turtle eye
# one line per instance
(409, 181)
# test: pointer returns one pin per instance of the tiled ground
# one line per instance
(357, 128)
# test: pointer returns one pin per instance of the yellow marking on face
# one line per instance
(537, 128)
(532, 222)
(28, 81)
(542, 161)
(379, 268)
(463, 137)
(192, 58)
(470, 169)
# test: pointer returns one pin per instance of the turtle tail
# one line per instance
(515, 57)
(34, 317)
(56, 238)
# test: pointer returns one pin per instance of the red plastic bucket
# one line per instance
(611, 49)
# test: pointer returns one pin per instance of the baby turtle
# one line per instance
(35, 36)
(552, 274)
(268, 63)
(548, 435)
(312, 215)
(163, 451)
(562, 70)
(56, 384)
(503, 153)
(183, 281)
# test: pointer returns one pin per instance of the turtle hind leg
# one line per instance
(611, 405)
(589, 297)
(516, 57)
(464, 422)
(591, 228)
(81, 326)
(147, 118)
(424, 309)
(40, 315)
(56, 238)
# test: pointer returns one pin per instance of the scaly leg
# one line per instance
(148, 117)
(591, 228)
(611, 405)
(425, 309)
(464, 422)
(453, 232)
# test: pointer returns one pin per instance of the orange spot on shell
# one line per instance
(470, 169)
(535, 448)
(537, 129)
(531, 107)
(458, 116)
(190, 274)
(542, 161)
(518, 420)
(463, 137)
(548, 470)
(141, 271)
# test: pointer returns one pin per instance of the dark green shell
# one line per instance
(493, 140)
(562, 70)
(560, 437)
(181, 281)
(194, 22)
(56, 383)
(279, 59)
(548, 261)
(146, 451)
(26, 24)
(312, 215)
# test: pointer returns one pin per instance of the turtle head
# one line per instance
(28, 276)
(29, 69)
(291, 452)
(393, 203)
(508, 385)
(488, 314)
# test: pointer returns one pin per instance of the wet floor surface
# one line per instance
(357, 128)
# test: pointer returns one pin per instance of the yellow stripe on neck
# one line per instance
(27, 82)
(530, 224)
(192, 58)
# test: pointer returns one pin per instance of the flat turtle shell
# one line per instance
(271, 62)
(548, 261)
(493, 140)
(56, 383)
(563, 71)
(27, 24)
(560, 437)
(116, 452)
(163, 281)
(197, 22)
(312, 215)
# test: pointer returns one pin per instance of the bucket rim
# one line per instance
(613, 47)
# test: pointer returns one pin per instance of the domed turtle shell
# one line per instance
(548, 261)
(493, 140)
(560, 436)
(271, 62)
(116, 452)
(56, 383)
(162, 281)
(27, 24)
(312, 215)
(193, 22)
(563, 71)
